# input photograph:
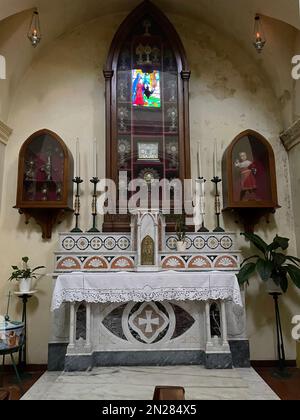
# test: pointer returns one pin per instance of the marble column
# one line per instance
(224, 325)
(72, 327)
(209, 343)
(88, 344)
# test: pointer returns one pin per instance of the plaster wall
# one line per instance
(63, 90)
(2, 152)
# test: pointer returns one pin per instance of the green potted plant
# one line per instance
(24, 275)
(181, 233)
(271, 264)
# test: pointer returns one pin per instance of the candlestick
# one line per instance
(95, 182)
(77, 180)
(77, 175)
(216, 180)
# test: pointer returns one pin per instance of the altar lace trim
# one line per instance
(148, 294)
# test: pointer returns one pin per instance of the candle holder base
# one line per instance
(219, 230)
(203, 229)
(76, 230)
(94, 230)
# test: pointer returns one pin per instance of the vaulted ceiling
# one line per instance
(232, 17)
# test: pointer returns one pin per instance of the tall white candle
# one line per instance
(77, 159)
(199, 161)
(95, 159)
(216, 159)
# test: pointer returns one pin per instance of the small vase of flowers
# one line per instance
(24, 275)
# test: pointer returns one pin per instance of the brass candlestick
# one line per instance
(216, 180)
(77, 181)
(95, 181)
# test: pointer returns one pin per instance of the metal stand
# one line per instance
(216, 180)
(77, 181)
(23, 349)
(281, 372)
(203, 229)
(95, 181)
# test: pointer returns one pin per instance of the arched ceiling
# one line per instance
(232, 17)
(233, 12)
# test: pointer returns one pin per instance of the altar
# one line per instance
(158, 310)
(111, 307)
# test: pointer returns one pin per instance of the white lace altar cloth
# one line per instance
(145, 287)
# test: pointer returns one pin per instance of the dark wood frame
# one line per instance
(249, 211)
(119, 223)
(46, 213)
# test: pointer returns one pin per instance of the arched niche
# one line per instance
(249, 178)
(45, 173)
(147, 103)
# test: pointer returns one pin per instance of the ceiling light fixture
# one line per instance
(260, 40)
(34, 33)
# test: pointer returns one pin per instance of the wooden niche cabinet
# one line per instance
(45, 188)
(147, 105)
(249, 174)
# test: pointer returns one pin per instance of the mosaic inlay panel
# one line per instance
(200, 243)
(95, 243)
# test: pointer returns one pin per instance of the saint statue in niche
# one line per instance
(148, 251)
(248, 172)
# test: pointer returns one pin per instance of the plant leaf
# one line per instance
(25, 259)
(293, 259)
(278, 258)
(294, 273)
(264, 269)
(246, 272)
(279, 242)
(247, 259)
(37, 268)
(256, 241)
(284, 284)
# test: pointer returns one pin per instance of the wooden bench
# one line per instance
(4, 395)
(169, 393)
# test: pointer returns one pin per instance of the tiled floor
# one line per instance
(139, 384)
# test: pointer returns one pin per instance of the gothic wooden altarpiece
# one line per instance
(147, 104)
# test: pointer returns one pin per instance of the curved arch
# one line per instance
(45, 132)
(250, 132)
(146, 8)
(124, 33)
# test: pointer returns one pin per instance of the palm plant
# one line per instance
(271, 262)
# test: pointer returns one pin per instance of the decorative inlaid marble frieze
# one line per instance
(207, 242)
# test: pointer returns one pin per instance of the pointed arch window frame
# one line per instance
(110, 74)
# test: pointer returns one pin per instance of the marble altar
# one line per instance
(148, 330)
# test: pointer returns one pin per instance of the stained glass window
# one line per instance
(147, 105)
